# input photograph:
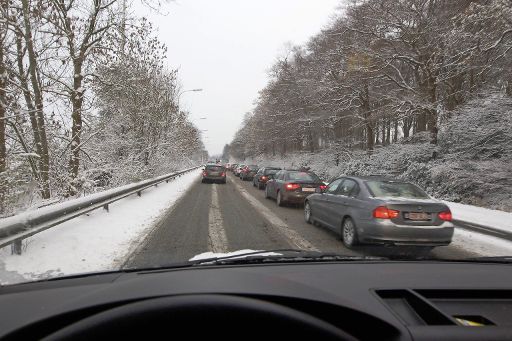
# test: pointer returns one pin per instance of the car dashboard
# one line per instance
(356, 300)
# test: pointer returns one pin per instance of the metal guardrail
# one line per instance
(16, 228)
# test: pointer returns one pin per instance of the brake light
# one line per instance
(263, 178)
(291, 187)
(446, 215)
(323, 187)
(205, 173)
(222, 174)
(382, 212)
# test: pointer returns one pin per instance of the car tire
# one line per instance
(308, 216)
(224, 182)
(349, 233)
(202, 181)
(260, 186)
(279, 199)
(267, 195)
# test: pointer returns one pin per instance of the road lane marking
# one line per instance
(217, 240)
(296, 239)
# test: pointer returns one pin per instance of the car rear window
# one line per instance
(303, 176)
(382, 189)
(254, 168)
(214, 168)
(271, 171)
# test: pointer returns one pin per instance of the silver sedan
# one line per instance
(376, 210)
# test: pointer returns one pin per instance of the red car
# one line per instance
(248, 172)
(263, 175)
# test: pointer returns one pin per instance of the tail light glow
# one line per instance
(446, 215)
(323, 187)
(205, 173)
(382, 212)
(263, 177)
(291, 187)
(222, 174)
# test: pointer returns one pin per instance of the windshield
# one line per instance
(382, 189)
(215, 168)
(144, 134)
(303, 176)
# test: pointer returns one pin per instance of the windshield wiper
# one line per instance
(280, 255)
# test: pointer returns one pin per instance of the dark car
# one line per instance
(378, 210)
(233, 167)
(248, 172)
(262, 176)
(292, 186)
(214, 173)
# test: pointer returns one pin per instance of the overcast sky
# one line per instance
(226, 47)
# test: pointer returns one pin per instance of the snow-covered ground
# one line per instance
(482, 244)
(495, 219)
(98, 241)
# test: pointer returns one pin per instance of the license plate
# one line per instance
(214, 173)
(307, 189)
(417, 216)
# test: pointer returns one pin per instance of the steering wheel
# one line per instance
(191, 317)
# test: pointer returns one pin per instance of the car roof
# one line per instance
(373, 178)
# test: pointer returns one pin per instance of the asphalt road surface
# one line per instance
(235, 216)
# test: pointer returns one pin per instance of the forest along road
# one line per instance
(235, 216)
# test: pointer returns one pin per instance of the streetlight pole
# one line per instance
(181, 93)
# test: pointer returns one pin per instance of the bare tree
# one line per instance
(83, 34)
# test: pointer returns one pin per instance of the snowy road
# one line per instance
(224, 218)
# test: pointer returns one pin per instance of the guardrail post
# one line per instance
(166, 181)
(105, 207)
(156, 185)
(16, 247)
(139, 193)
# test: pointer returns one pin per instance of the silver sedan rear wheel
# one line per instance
(349, 233)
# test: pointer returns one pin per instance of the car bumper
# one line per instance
(214, 178)
(295, 197)
(387, 232)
